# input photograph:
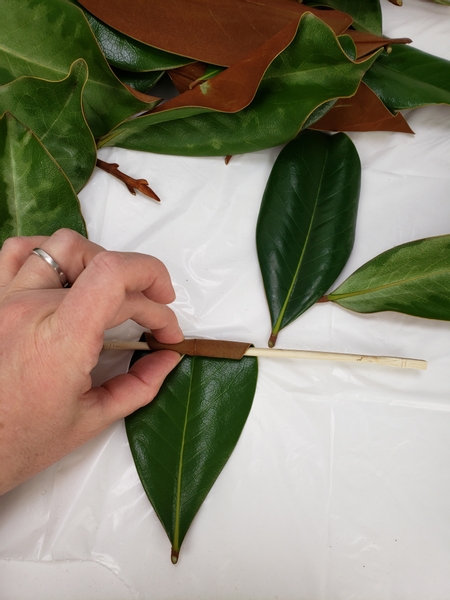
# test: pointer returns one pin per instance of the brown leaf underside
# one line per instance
(234, 89)
(184, 78)
(202, 347)
(218, 32)
(132, 184)
(362, 112)
(366, 43)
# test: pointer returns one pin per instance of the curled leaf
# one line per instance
(43, 39)
(31, 204)
(53, 111)
(301, 78)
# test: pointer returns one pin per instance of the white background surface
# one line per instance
(339, 487)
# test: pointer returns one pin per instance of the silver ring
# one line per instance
(54, 265)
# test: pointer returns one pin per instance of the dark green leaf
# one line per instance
(310, 72)
(52, 110)
(366, 14)
(408, 78)
(182, 440)
(36, 197)
(413, 278)
(306, 224)
(138, 81)
(348, 46)
(43, 38)
(128, 54)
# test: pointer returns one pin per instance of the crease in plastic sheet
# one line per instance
(339, 486)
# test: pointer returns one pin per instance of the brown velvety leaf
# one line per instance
(362, 112)
(202, 347)
(218, 32)
(234, 89)
(366, 43)
(184, 78)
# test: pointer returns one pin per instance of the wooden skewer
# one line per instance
(390, 361)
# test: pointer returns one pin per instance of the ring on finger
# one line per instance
(54, 265)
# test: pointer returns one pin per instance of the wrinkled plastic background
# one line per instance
(340, 484)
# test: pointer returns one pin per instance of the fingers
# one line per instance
(115, 287)
(15, 251)
(69, 249)
(124, 394)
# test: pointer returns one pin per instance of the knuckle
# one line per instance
(107, 261)
(13, 245)
(67, 237)
(159, 271)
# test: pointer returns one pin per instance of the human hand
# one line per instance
(51, 338)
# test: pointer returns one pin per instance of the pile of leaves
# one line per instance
(75, 77)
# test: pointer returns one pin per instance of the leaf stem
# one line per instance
(273, 339)
(132, 184)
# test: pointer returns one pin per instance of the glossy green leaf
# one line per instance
(413, 278)
(52, 110)
(138, 81)
(348, 45)
(306, 224)
(36, 198)
(310, 72)
(409, 78)
(182, 440)
(366, 14)
(42, 38)
(128, 54)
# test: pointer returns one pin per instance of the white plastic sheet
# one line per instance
(340, 484)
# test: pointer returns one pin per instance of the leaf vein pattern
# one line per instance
(300, 261)
(176, 537)
(380, 288)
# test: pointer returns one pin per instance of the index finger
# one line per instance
(111, 281)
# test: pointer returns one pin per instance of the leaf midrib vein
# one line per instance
(176, 534)
(277, 325)
(387, 285)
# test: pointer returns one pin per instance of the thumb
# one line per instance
(120, 396)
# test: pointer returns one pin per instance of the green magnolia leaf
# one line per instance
(306, 224)
(141, 82)
(348, 46)
(311, 71)
(36, 198)
(182, 440)
(128, 54)
(42, 38)
(413, 278)
(366, 15)
(408, 78)
(52, 110)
